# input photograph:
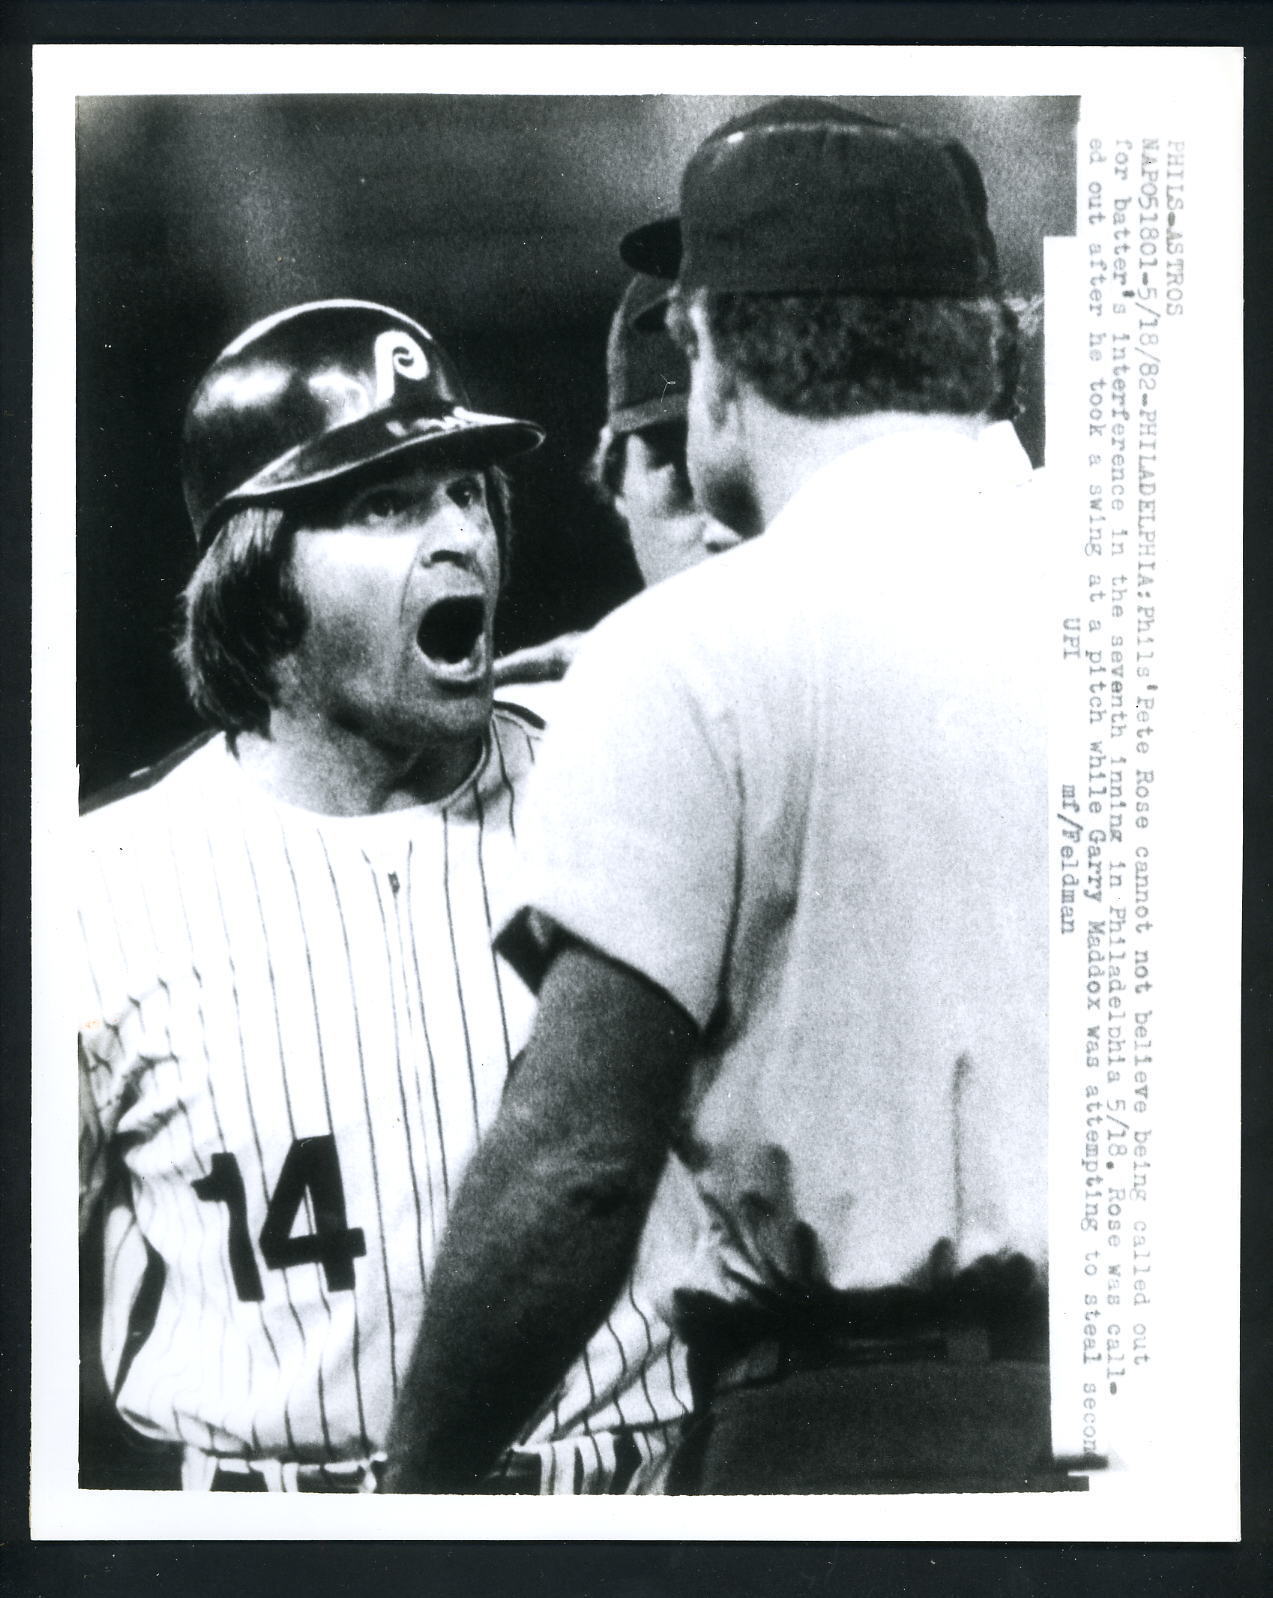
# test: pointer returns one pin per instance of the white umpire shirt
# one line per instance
(802, 788)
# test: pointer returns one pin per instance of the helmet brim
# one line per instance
(451, 436)
(632, 418)
(654, 249)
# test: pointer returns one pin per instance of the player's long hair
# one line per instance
(241, 612)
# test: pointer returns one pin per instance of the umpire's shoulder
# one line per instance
(669, 634)
(683, 614)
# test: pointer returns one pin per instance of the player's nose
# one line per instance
(454, 533)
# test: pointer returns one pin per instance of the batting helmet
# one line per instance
(647, 375)
(322, 389)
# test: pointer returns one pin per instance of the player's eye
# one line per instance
(665, 456)
(665, 444)
(467, 491)
(379, 505)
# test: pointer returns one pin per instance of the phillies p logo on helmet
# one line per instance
(397, 352)
(322, 389)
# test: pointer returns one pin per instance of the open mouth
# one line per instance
(450, 630)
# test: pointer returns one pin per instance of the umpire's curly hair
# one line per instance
(241, 612)
(827, 355)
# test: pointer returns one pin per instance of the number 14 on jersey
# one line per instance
(311, 1168)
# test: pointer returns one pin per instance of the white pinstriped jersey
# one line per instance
(294, 1032)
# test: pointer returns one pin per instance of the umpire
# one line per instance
(785, 881)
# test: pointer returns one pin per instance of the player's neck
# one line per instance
(343, 774)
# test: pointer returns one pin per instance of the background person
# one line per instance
(792, 1042)
(293, 1028)
(638, 468)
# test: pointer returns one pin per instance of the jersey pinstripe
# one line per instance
(294, 1032)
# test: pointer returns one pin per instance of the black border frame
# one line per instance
(628, 1569)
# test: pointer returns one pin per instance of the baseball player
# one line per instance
(638, 469)
(293, 1030)
(805, 977)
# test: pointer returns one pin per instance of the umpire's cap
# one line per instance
(647, 375)
(804, 196)
(322, 389)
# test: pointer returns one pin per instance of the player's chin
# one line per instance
(450, 691)
(432, 732)
(457, 708)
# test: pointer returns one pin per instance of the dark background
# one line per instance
(492, 219)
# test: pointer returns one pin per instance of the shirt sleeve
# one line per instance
(628, 838)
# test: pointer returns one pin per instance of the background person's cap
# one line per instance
(647, 375)
(322, 389)
(804, 196)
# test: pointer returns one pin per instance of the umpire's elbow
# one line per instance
(603, 1187)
